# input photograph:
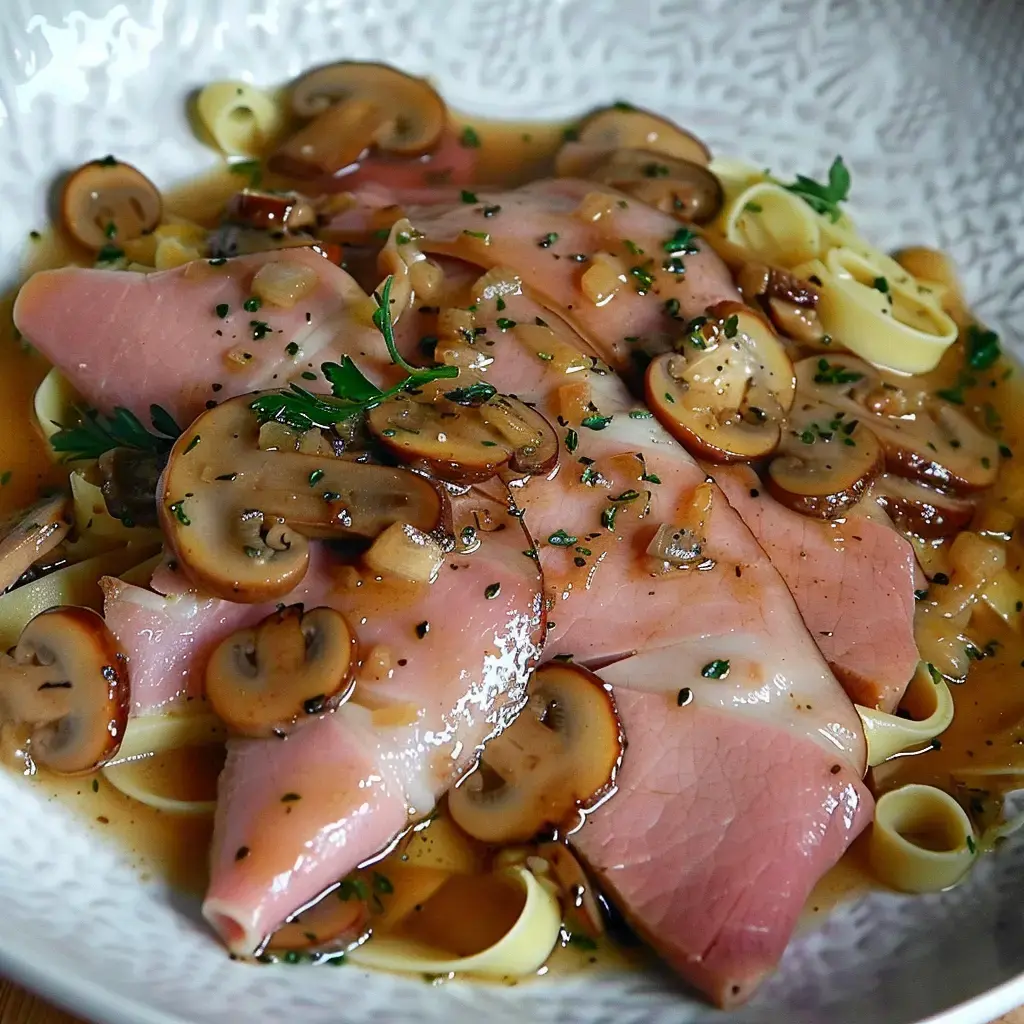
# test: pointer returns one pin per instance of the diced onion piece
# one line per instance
(574, 401)
(676, 545)
(282, 283)
(604, 277)
(921, 839)
(1004, 595)
(522, 949)
(402, 550)
(171, 253)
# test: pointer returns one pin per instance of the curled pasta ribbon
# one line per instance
(921, 841)
(241, 119)
(928, 698)
(54, 405)
(148, 735)
(897, 324)
(772, 224)
(521, 950)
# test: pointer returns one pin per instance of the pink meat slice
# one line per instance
(853, 581)
(738, 792)
(442, 666)
(132, 340)
(539, 231)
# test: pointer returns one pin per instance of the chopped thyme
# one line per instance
(572, 440)
(644, 279)
(596, 421)
(640, 414)
(469, 138)
(561, 539)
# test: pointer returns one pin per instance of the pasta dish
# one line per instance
(490, 547)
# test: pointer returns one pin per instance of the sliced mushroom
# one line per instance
(623, 127)
(261, 681)
(35, 533)
(67, 679)
(924, 437)
(334, 922)
(686, 190)
(556, 758)
(129, 482)
(725, 393)
(920, 510)
(355, 106)
(106, 202)
(825, 463)
(270, 211)
(237, 518)
(465, 433)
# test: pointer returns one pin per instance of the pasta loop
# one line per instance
(241, 119)
(921, 841)
(928, 699)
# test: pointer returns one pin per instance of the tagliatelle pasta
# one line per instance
(240, 118)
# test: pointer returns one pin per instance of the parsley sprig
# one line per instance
(97, 433)
(824, 199)
(352, 394)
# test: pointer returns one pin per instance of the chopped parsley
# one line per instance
(548, 240)
(717, 669)
(982, 347)
(474, 394)
(827, 373)
(252, 304)
(572, 440)
(221, 309)
(469, 138)
(824, 199)
(468, 197)
(561, 539)
(682, 243)
(596, 421)
(731, 326)
(881, 284)
(177, 508)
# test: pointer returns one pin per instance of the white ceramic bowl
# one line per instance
(924, 99)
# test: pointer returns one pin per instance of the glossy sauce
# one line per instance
(983, 749)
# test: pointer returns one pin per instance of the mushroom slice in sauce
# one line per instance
(686, 190)
(619, 127)
(237, 517)
(261, 681)
(825, 463)
(355, 106)
(35, 533)
(106, 202)
(725, 393)
(923, 437)
(467, 433)
(67, 679)
(270, 211)
(920, 510)
(556, 758)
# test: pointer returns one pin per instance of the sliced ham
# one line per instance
(853, 582)
(740, 784)
(442, 666)
(540, 230)
(132, 340)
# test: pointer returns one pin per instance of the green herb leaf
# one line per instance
(982, 347)
(561, 539)
(469, 138)
(596, 422)
(252, 169)
(717, 669)
(824, 199)
(98, 433)
(475, 394)
(829, 374)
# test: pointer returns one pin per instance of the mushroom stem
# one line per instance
(516, 752)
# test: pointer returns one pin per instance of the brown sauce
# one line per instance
(983, 750)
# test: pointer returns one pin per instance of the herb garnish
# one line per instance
(830, 374)
(824, 199)
(469, 138)
(352, 393)
(717, 669)
(596, 422)
(251, 168)
(98, 433)
(561, 539)
(474, 394)
(982, 347)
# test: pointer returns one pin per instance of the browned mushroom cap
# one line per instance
(623, 127)
(919, 510)
(726, 392)
(66, 677)
(109, 202)
(270, 211)
(237, 518)
(35, 532)
(261, 681)
(557, 757)
(825, 463)
(686, 190)
(465, 433)
(354, 106)
(923, 437)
